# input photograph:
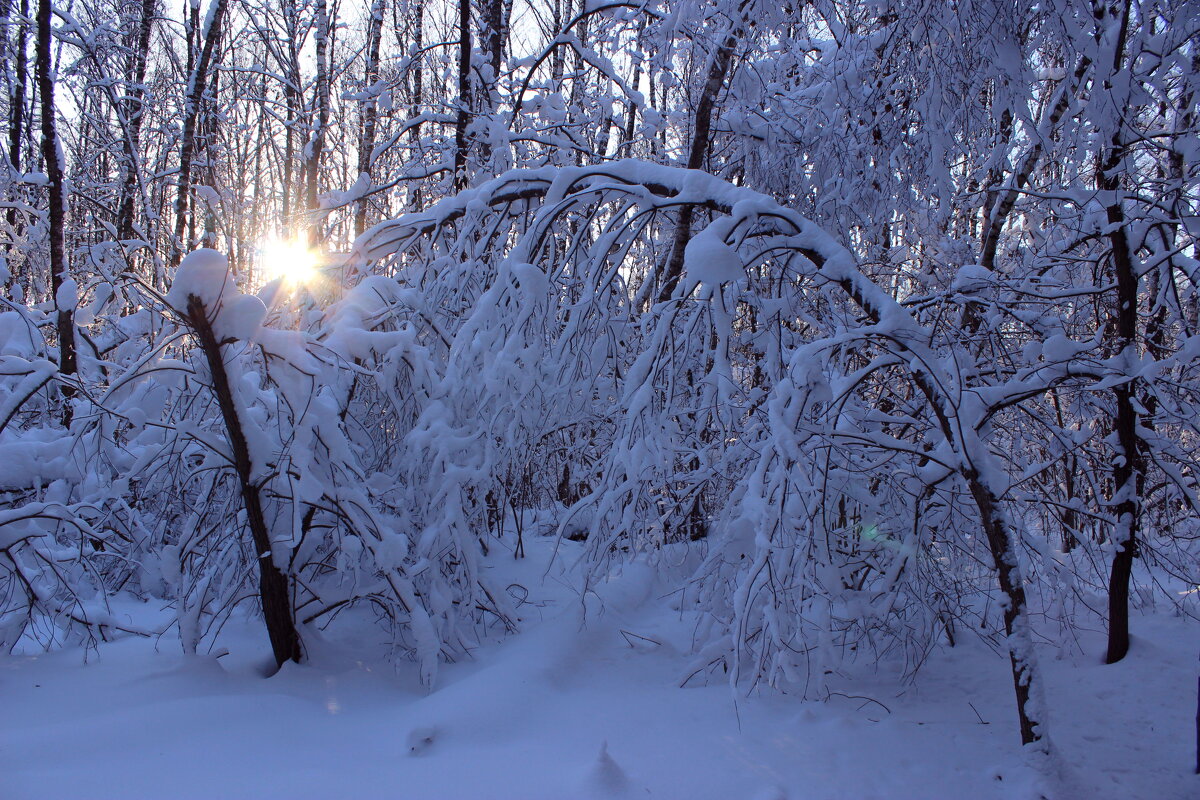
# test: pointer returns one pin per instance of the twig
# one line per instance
(627, 634)
(861, 697)
(976, 710)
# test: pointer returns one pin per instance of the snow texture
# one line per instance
(204, 274)
(569, 711)
(709, 262)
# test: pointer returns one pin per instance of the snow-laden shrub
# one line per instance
(754, 414)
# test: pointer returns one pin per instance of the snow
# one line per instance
(972, 278)
(709, 262)
(67, 296)
(203, 273)
(764, 498)
(40, 454)
(606, 778)
(241, 317)
(568, 708)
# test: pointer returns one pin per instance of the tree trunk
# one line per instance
(1129, 467)
(416, 96)
(273, 585)
(631, 106)
(316, 143)
(64, 319)
(292, 104)
(1002, 537)
(16, 109)
(718, 70)
(133, 111)
(464, 94)
(366, 141)
(210, 130)
(197, 83)
(493, 39)
(1016, 616)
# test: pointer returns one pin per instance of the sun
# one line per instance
(289, 260)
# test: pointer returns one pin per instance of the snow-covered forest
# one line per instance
(852, 337)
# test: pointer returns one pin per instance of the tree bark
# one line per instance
(316, 143)
(999, 529)
(133, 111)
(1129, 467)
(631, 107)
(16, 109)
(64, 318)
(493, 39)
(366, 141)
(494, 36)
(197, 84)
(464, 94)
(273, 585)
(718, 70)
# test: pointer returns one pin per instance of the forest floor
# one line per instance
(569, 710)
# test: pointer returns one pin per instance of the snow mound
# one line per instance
(203, 273)
(240, 317)
(606, 778)
(972, 278)
(709, 262)
(67, 296)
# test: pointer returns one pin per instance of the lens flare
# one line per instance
(289, 260)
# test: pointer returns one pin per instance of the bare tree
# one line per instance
(61, 285)
(194, 96)
(370, 106)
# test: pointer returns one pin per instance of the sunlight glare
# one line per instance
(287, 259)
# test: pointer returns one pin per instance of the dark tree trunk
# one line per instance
(366, 141)
(632, 109)
(273, 585)
(494, 35)
(493, 39)
(1001, 538)
(64, 319)
(464, 94)
(1000, 542)
(1129, 469)
(292, 103)
(316, 143)
(209, 130)
(16, 109)
(1129, 466)
(718, 70)
(133, 110)
(197, 83)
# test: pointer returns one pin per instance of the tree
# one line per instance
(197, 84)
(63, 288)
(192, 295)
(888, 314)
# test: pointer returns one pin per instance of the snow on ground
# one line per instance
(564, 710)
